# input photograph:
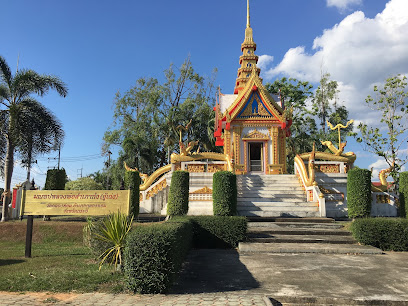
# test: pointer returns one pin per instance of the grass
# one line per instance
(60, 262)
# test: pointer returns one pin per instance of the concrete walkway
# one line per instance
(224, 277)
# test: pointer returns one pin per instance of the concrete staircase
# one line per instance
(301, 235)
(273, 196)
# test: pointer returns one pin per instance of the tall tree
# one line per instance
(295, 94)
(324, 95)
(391, 102)
(20, 112)
(146, 117)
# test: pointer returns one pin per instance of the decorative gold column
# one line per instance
(237, 144)
(227, 142)
(274, 131)
(282, 150)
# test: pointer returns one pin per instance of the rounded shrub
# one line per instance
(132, 182)
(178, 196)
(403, 194)
(224, 193)
(359, 192)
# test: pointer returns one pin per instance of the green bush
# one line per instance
(224, 193)
(218, 231)
(384, 233)
(403, 194)
(56, 179)
(178, 196)
(154, 255)
(359, 192)
(132, 182)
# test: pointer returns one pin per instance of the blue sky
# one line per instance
(101, 47)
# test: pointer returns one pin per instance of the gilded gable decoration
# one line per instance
(256, 135)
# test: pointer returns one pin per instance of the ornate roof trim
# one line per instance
(241, 101)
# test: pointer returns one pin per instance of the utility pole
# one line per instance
(108, 163)
(79, 172)
(59, 157)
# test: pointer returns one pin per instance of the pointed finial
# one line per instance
(248, 23)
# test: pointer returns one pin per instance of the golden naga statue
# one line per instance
(309, 177)
(337, 153)
(142, 175)
(383, 180)
(186, 151)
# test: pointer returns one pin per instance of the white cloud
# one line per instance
(343, 5)
(358, 53)
(264, 61)
(377, 166)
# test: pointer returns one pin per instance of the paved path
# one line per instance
(224, 277)
(126, 299)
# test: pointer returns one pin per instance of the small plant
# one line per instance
(113, 230)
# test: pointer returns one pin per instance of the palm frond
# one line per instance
(27, 82)
(5, 72)
(4, 93)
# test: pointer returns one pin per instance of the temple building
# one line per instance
(251, 124)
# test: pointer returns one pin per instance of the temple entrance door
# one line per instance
(255, 156)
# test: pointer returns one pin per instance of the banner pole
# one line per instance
(29, 232)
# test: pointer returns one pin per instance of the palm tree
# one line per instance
(26, 126)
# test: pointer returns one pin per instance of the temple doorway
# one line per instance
(255, 156)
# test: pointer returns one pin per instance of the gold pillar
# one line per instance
(237, 141)
(275, 144)
(282, 150)
(227, 142)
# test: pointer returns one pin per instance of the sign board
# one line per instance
(74, 202)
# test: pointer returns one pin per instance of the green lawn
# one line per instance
(59, 263)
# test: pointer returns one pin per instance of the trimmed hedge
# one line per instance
(359, 192)
(56, 179)
(403, 194)
(224, 193)
(218, 231)
(154, 255)
(132, 182)
(212, 232)
(384, 233)
(178, 196)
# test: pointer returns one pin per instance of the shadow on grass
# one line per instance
(213, 270)
(8, 262)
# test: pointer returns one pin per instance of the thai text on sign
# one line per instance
(75, 202)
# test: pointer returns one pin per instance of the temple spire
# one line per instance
(248, 59)
(248, 22)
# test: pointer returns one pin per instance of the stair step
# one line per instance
(322, 248)
(254, 220)
(279, 214)
(332, 239)
(278, 207)
(294, 224)
(272, 200)
(265, 231)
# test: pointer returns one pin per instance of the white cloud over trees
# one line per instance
(359, 52)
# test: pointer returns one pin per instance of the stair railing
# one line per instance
(309, 184)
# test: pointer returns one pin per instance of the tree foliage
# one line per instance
(306, 109)
(147, 115)
(389, 138)
(26, 126)
(83, 183)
